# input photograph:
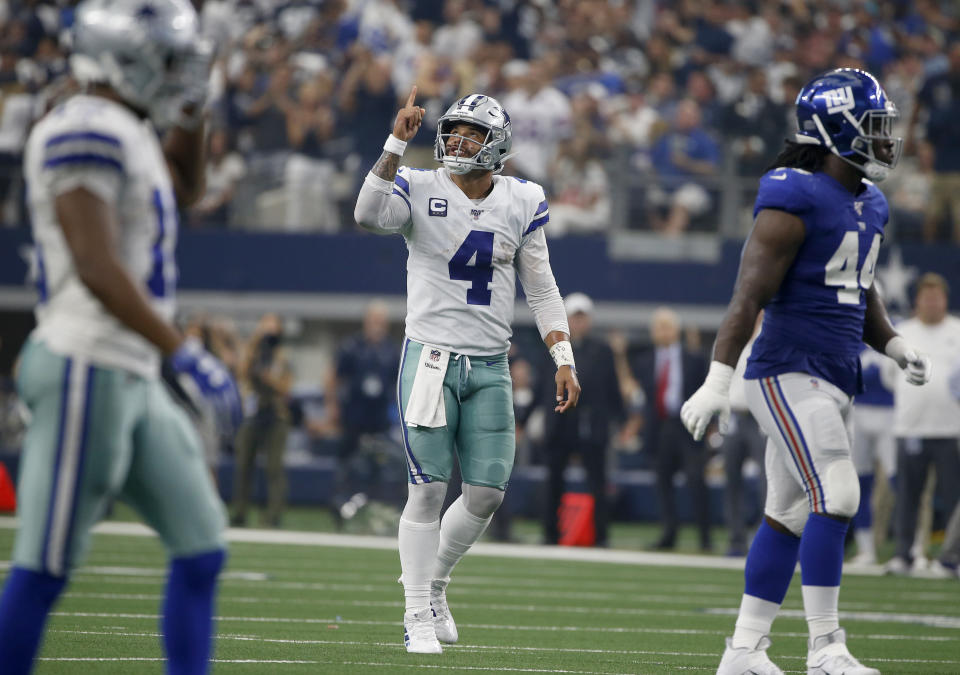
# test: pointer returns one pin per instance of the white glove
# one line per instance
(916, 367)
(713, 397)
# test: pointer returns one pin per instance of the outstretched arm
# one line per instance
(377, 209)
(767, 255)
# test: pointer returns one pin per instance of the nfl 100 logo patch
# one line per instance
(476, 213)
(434, 354)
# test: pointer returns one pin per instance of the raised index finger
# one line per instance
(413, 95)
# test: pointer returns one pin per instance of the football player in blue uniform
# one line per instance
(809, 263)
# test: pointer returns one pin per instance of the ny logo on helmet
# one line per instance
(838, 100)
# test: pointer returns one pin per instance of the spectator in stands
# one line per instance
(540, 115)
(581, 191)
(585, 430)
(460, 33)
(684, 159)
(359, 395)
(633, 125)
(910, 194)
(926, 419)
(225, 168)
(310, 174)
(755, 126)
(268, 118)
(367, 103)
(669, 375)
(269, 377)
(940, 97)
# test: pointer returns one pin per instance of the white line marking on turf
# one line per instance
(880, 617)
(488, 648)
(921, 619)
(390, 543)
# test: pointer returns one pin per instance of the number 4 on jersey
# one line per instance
(842, 269)
(480, 274)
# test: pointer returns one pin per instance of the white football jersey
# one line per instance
(464, 256)
(93, 143)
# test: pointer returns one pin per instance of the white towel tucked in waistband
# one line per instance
(425, 407)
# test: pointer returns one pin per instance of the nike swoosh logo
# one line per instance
(491, 363)
(781, 176)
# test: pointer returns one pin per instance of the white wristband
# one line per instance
(896, 349)
(719, 377)
(395, 145)
(562, 354)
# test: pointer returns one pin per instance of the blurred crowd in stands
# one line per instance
(635, 114)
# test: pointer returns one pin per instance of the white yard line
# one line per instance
(485, 648)
(916, 619)
(931, 620)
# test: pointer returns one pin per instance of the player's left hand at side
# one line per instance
(207, 377)
(915, 365)
(918, 368)
(712, 398)
(568, 389)
(409, 118)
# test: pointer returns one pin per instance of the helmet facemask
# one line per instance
(876, 132)
(488, 116)
(483, 159)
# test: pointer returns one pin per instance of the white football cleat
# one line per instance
(938, 570)
(829, 655)
(862, 559)
(419, 636)
(443, 623)
(897, 566)
(747, 660)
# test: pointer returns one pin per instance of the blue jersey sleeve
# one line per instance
(785, 190)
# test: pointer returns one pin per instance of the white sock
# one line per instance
(864, 539)
(754, 621)
(459, 530)
(820, 605)
(417, 543)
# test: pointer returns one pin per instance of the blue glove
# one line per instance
(209, 379)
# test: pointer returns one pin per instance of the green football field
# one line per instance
(314, 603)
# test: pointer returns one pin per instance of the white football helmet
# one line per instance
(486, 113)
(149, 51)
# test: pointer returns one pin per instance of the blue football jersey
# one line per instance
(814, 323)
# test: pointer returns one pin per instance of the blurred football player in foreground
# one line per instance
(103, 197)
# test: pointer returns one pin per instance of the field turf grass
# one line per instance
(333, 607)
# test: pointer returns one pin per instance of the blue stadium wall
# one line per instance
(356, 263)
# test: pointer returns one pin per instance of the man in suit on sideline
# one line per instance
(669, 374)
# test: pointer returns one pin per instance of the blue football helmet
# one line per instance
(847, 112)
(480, 111)
(149, 51)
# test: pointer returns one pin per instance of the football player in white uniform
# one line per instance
(469, 233)
(102, 194)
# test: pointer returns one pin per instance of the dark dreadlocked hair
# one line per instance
(800, 156)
